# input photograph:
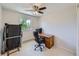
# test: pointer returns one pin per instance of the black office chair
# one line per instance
(38, 40)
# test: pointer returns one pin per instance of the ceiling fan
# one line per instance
(38, 9)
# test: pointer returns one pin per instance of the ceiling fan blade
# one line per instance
(42, 8)
(40, 12)
(29, 10)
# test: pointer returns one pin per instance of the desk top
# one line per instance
(45, 35)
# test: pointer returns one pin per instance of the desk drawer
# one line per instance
(49, 42)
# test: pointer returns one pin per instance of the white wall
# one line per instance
(60, 21)
(77, 31)
(0, 26)
(13, 17)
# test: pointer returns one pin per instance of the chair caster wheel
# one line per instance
(35, 49)
(41, 49)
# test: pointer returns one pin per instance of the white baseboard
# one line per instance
(27, 40)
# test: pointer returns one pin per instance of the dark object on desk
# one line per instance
(11, 37)
(38, 40)
(40, 30)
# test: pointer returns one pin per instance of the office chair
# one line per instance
(38, 40)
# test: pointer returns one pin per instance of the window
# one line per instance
(28, 23)
(25, 24)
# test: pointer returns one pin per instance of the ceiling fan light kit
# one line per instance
(38, 9)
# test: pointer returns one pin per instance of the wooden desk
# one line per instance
(48, 39)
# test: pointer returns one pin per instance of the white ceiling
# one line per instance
(20, 7)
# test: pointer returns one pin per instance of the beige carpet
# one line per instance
(27, 49)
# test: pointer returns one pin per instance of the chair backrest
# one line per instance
(35, 33)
